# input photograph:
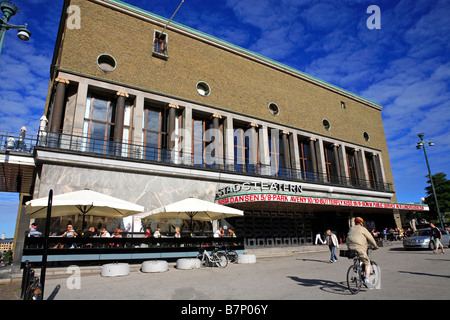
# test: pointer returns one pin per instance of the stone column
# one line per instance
(138, 125)
(264, 156)
(286, 152)
(229, 143)
(321, 170)
(337, 162)
(186, 135)
(253, 148)
(295, 156)
(218, 141)
(312, 151)
(58, 106)
(171, 127)
(118, 126)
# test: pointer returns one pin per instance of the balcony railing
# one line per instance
(189, 160)
(16, 142)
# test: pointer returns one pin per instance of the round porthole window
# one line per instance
(106, 62)
(274, 109)
(326, 124)
(366, 136)
(203, 89)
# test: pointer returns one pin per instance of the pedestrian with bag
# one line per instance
(437, 235)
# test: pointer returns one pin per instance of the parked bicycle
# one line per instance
(356, 272)
(31, 285)
(231, 254)
(216, 258)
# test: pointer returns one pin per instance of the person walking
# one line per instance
(437, 235)
(333, 243)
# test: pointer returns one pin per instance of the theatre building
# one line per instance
(154, 115)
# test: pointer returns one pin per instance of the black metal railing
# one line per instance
(153, 154)
(97, 250)
(16, 142)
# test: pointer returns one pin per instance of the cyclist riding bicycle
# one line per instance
(358, 239)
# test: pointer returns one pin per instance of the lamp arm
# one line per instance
(8, 26)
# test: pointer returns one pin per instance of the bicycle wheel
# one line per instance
(203, 260)
(232, 256)
(220, 259)
(374, 277)
(354, 280)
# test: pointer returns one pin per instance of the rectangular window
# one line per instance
(274, 151)
(98, 127)
(201, 138)
(305, 159)
(351, 165)
(330, 164)
(160, 41)
(155, 133)
(371, 173)
(245, 148)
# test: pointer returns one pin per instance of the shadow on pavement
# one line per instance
(324, 285)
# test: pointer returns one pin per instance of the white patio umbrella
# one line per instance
(193, 208)
(86, 202)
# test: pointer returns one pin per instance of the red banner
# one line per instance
(319, 201)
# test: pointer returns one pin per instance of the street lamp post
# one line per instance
(9, 9)
(421, 144)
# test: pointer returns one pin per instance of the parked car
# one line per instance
(421, 240)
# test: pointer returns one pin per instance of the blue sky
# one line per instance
(404, 66)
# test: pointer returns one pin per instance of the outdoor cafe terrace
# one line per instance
(129, 248)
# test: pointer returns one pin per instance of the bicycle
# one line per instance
(31, 286)
(33, 290)
(231, 255)
(356, 272)
(216, 258)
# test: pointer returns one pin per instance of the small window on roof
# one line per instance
(160, 41)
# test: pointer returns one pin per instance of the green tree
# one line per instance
(442, 187)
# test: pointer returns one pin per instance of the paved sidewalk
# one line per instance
(294, 276)
(405, 275)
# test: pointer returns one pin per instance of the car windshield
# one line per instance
(422, 233)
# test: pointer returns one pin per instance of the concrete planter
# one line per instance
(246, 258)
(188, 264)
(155, 266)
(115, 270)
